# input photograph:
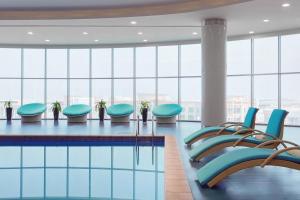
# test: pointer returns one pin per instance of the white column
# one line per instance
(213, 40)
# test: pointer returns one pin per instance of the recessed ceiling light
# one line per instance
(47, 40)
(286, 5)
(145, 40)
(266, 20)
(96, 40)
(251, 32)
(85, 33)
(195, 33)
(133, 22)
(140, 33)
(30, 33)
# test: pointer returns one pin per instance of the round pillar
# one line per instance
(213, 40)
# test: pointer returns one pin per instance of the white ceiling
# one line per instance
(241, 18)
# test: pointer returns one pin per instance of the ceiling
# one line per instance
(241, 18)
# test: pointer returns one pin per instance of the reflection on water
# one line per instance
(119, 172)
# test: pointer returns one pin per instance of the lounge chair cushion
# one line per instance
(167, 110)
(204, 131)
(31, 109)
(120, 110)
(77, 110)
(225, 161)
(275, 122)
(211, 142)
(250, 117)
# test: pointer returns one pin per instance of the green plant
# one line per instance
(100, 104)
(144, 105)
(56, 106)
(8, 104)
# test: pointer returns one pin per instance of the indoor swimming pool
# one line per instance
(82, 172)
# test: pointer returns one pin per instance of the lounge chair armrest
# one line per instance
(249, 130)
(282, 142)
(230, 123)
(272, 156)
(255, 132)
(233, 125)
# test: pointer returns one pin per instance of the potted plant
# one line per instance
(56, 108)
(8, 107)
(100, 107)
(145, 106)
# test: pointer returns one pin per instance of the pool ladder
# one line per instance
(137, 134)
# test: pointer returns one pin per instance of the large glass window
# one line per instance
(123, 62)
(167, 61)
(10, 62)
(57, 62)
(101, 63)
(123, 91)
(79, 63)
(79, 91)
(239, 57)
(34, 63)
(265, 96)
(290, 48)
(266, 55)
(145, 91)
(238, 97)
(167, 90)
(33, 91)
(12, 93)
(145, 62)
(191, 98)
(191, 60)
(101, 90)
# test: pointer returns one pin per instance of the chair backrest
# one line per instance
(276, 123)
(249, 121)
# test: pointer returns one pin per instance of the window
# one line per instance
(123, 91)
(238, 97)
(291, 98)
(290, 48)
(145, 91)
(167, 90)
(265, 96)
(191, 60)
(191, 98)
(79, 63)
(101, 63)
(266, 55)
(123, 62)
(145, 62)
(167, 61)
(101, 89)
(33, 91)
(34, 63)
(239, 57)
(10, 63)
(79, 91)
(12, 93)
(57, 62)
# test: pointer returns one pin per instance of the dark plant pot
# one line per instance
(101, 114)
(145, 115)
(56, 114)
(8, 113)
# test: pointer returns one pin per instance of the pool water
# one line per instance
(88, 172)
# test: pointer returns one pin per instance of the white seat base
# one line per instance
(124, 119)
(166, 120)
(77, 119)
(31, 119)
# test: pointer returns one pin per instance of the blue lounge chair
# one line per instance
(224, 129)
(120, 112)
(166, 113)
(77, 113)
(31, 112)
(251, 139)
(221, 167)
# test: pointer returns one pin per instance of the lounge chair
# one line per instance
(251, 138)
(77, 113)
(223, 129)
(221, 167)
(31, 112)
(166, 113)
(120, 112)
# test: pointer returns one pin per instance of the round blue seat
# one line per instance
(31, 109)
(167, 110)
(77, 110)
(120, 110)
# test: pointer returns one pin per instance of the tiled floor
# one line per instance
(256, 183)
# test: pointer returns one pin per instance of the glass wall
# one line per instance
(157, 74)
